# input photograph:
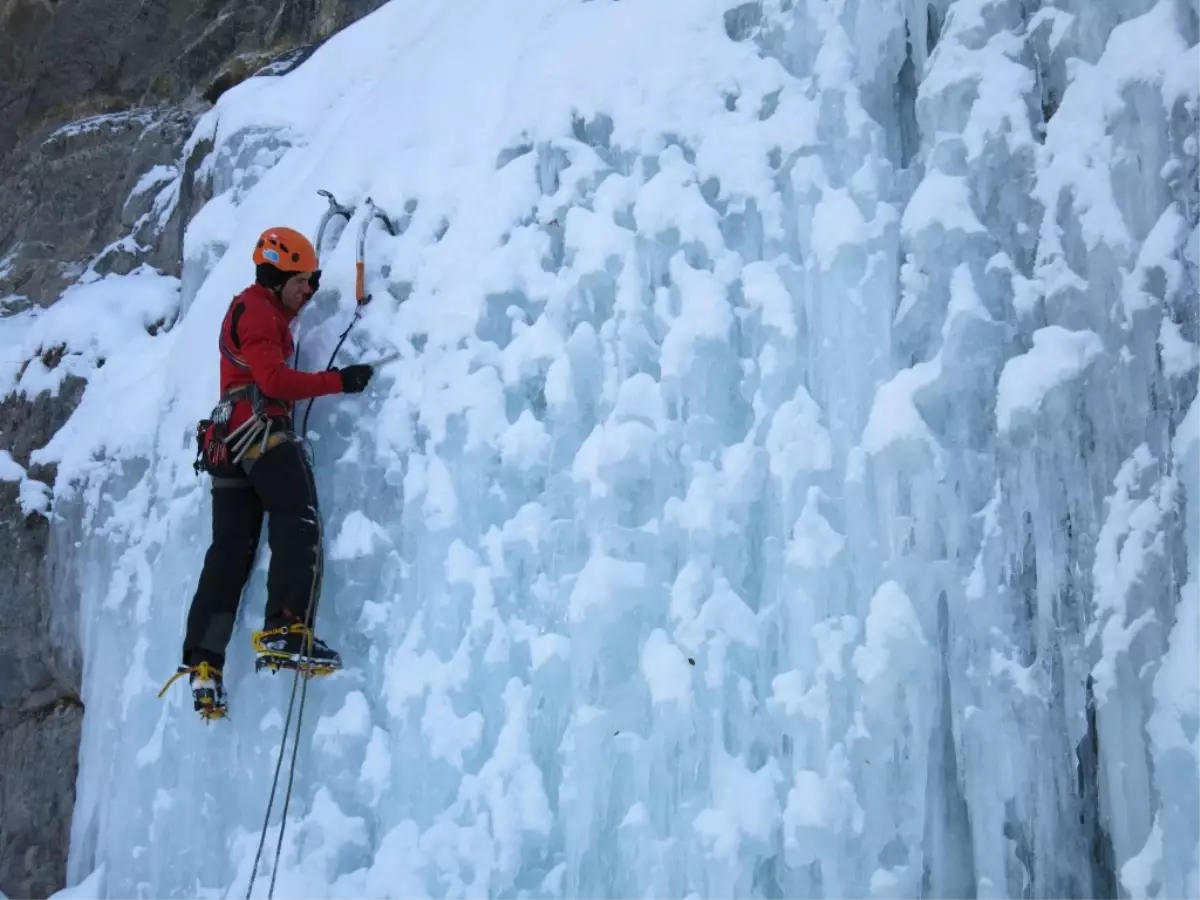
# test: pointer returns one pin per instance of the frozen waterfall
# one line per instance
(787, 487)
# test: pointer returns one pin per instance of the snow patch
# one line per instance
(1057, 357)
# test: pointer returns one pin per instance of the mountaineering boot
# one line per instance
(208, 689)
(208, 692)
(293, 646)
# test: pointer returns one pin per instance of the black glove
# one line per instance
(355, 378)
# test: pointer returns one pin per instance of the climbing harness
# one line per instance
(226, 454)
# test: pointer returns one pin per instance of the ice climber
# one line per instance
(258, 465)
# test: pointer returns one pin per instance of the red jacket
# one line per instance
(256, 344)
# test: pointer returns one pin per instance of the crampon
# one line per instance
(208, 690)
(294, 647)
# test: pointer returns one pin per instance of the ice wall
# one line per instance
(787, 488)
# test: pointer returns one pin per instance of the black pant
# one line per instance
(281, 485)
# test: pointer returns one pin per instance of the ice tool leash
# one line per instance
(361, 297)
(304, 667)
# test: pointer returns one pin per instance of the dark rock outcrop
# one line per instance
(97, 98)
(40, 711)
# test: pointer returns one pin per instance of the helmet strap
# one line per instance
(271, 278)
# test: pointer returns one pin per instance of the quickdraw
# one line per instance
(218, 448)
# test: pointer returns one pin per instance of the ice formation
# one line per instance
(788, 485)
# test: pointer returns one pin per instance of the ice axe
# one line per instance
(361, 297)
(334, 209)
(360, 281)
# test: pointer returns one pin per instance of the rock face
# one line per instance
(96, 102)
(40, 712)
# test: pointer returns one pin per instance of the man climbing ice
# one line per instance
(258, 465)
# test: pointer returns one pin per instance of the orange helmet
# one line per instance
(285, 249)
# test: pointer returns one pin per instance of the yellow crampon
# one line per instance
(206, 702)
(276, 659)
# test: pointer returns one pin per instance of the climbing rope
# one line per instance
(262, 839)
(309, 616)
(328, 365)
(287, 797)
